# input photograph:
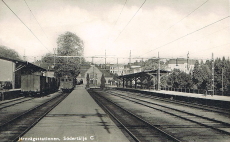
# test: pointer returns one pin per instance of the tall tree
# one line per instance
(206, 76)
(218, 66)
(87, 80)
(102, 86)
(9, 53)
(163, 81)
(115, 77)
(227, 76)
(152, 64)
(179, 79)
(69, 44)
(196, 76)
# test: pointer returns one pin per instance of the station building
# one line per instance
(95, 74)
(11, 71)
(185, 65)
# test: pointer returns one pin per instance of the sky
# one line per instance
(143, 28)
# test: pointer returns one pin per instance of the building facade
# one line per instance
(95, 74)
(185, 65)
(7, 74)
(117, 69)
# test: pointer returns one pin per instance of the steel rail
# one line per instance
(214, 128)
(142, 120)
(26, 112)
(8, 101)
(114, 117)
(60, 97)
(199, 106)
(15, 103)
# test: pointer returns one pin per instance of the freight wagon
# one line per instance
(37, 85)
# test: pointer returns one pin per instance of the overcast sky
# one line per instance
(171, 27)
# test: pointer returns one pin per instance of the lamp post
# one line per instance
(213, 87)
(222, 82)
(159, 80)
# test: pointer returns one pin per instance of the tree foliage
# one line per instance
(102, 86)
(9, 53)
(222, 68)
(152, 64)
(115, 77)
(87, 80)
(179, 79)
(69, 44)
(201, 77)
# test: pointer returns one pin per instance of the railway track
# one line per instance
(201, 120)
(192, 105)
(19, 125)
(7, 101)
(14, 102)
(137, 128)
(179, 123)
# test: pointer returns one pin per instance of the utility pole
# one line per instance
(93, 77)
(92, 60)
(187, 61)
(213, 86)
(105, 59)
(54, 56)
(142, 62)
(130, 57)
(24, 57)
(159, 80)
(117, 67)
(222, 81)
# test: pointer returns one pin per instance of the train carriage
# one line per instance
(67, 83)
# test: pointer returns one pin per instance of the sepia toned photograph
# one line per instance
(115, 70)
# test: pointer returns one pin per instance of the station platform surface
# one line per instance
(77, 118)
(184, 94)
(214, 97)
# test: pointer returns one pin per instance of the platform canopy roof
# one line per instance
(24, 64)
(143, 73)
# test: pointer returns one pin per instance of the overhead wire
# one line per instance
(35, 19)
(120, 12)
(210, 34)
(211, 48)
(25, 25)
(130, 20)
(183, 18)
(188, 34)
(118, 17)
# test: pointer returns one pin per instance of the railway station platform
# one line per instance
(215, 100)
(77, 118)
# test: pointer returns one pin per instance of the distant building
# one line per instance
(49, 74)
(95, 74)
(135, 69)
(129, 69)
(12, 69)
(117, 68)
(7, 73)
(121, 69)
(181, 64)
